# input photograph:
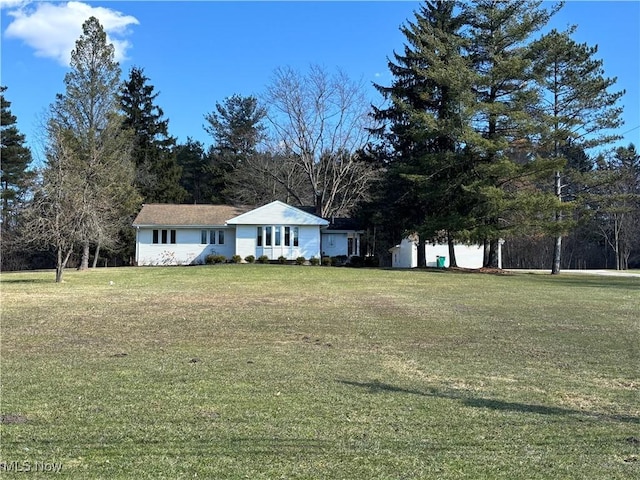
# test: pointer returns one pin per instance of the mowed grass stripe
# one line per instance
(265, 371)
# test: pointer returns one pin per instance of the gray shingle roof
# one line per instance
(155, 214)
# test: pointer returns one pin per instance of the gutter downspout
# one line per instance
(137, 245)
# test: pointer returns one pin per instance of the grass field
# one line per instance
(268, 371)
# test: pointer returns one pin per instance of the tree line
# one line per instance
(489, 131)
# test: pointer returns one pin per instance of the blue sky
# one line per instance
(198, 53)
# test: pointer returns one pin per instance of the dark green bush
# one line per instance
(371, 261)
(326, 261)
(300, 260)
(356, 261)
(263, 259)
(339, 260)
(282, 259)
(250, 259)
(213, 258)
(236, 259)
(314, 261)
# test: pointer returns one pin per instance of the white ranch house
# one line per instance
(187, 234)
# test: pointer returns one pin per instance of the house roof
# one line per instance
(168, 215)
(277, 212)
(155, 214)
(344, 224)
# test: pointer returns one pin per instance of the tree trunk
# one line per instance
(452, 252)
(485, 258)
(492, 261)
(61, 263)
(616, 239)
(422, 258)
(59, 266)
(557, 248)
(84, 262)
(96, 255)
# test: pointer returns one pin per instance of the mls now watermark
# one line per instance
(29, 466)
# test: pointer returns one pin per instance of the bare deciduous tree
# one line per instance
(322, 120)
(55, 217)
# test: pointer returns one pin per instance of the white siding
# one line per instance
(404, 255)
(246, 241)
(334, 244)
(308, 243)
(277, 213)
(186, 251)
(467, 256)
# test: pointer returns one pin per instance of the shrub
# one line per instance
(371, 261)
(250, 259)
(314, 261)
(282, 259)
(212, 259)
(236, 259)
(300, 260)
(339, 260)
(356, 261)
(263, 259)
(326, 261)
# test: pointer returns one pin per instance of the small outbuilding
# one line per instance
(405, 254)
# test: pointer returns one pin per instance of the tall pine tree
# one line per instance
(197, 178)
(237, 128)
(426, 125)
(15, 174)
(506, 198)
(157, 170)
(577, 110)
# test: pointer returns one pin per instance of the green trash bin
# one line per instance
(440, 261)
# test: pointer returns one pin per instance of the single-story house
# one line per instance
(187, 234)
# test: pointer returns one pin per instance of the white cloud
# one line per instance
(52, 29)
(12, 3)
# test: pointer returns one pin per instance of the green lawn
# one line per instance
(268, 371)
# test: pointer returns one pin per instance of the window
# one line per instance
(277, 232)
(203, 236)
(164, 236)
(287, 236)
(220, 237)
(212, 236)
(276, 235)
(267, 236)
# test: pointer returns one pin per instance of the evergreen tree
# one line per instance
(426, 125)
(577, 110)
(15, 177)
(504, 187)
(196, 177)
(157, 170)
(237, 128)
